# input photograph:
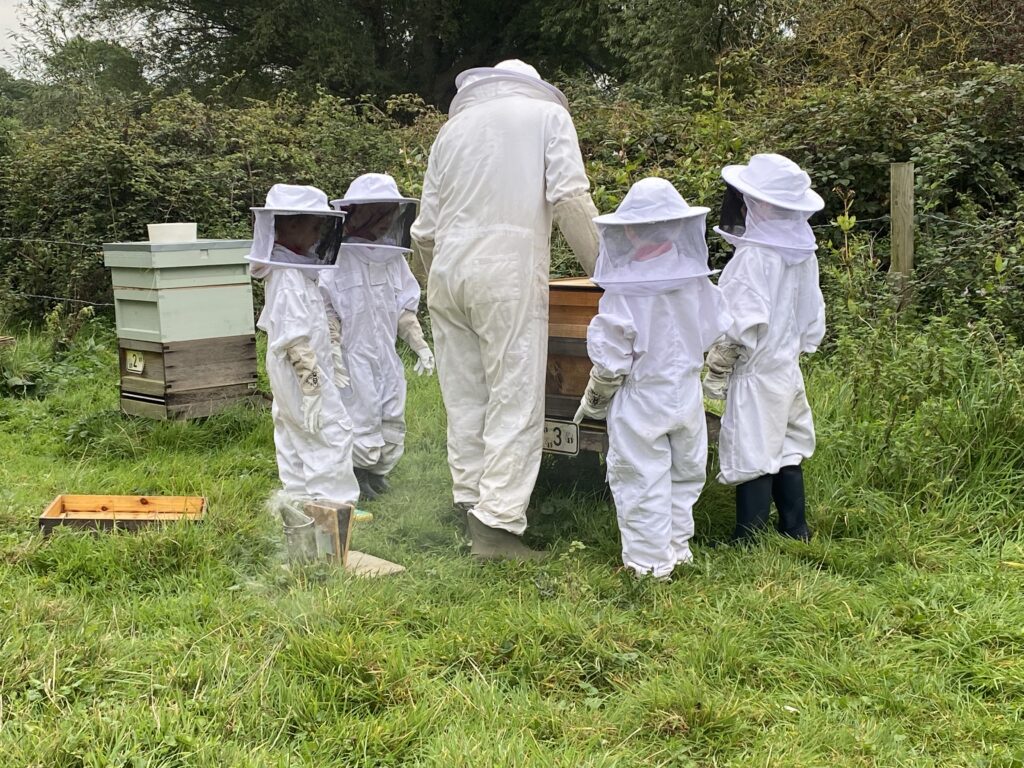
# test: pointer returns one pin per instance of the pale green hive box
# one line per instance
(181, 291)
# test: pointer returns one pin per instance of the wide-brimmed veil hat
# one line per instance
(651, 200)
(512, 70)
(372, 188)
(294, 200)
(653, 243)
(379, 217)
(777, 180)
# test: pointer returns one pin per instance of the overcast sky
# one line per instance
(8, 24)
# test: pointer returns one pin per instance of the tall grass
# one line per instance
(895, 638)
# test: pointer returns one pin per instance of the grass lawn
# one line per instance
(896, 638)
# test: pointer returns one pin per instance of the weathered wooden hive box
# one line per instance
(572, 303)
(120, 512)
(184, 326)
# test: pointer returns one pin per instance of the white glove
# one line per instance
(301, 356)
(423, 252)
(715, 385)
(425, 364)
(313, 412)
(575, 219)
(598, 395)
(341, 378)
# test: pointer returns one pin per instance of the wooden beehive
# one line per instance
(120, 512)
(572, 304)
(185, 379)
(184, 325)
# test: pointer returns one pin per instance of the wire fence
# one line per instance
(97, 246)
(991, 228)
(59, 298)
(47, 297)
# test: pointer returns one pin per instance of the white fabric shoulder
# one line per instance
(407, 290)
(483, 92)
(747, 296)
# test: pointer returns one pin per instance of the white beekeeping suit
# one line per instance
(771, 287)
(657, 317)
(376, 298)
(295, 236)
(506, 163)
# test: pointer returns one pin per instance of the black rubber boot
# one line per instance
(379, 483)
(788, 493)
(366, 492)
(753, 506)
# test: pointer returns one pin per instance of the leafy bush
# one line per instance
(116, 163)
(71, 345)
(122, 163)
(961, 127)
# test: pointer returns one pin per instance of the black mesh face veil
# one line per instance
(325, 252)
(623, 243)
(312, 240)
(379, 223)
(616, 247)
(733, 217)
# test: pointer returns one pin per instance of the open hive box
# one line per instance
(572, 304)
(120, 512)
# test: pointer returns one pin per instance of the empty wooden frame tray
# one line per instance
(120, 512)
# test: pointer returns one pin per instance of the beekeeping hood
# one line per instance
(294, 200)
(653, 242)
(377, 217)
(510, 71)
(768, 203)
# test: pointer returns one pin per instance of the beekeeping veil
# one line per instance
(322, 228)
(377, 217)
(510, 70)
(653, 242)
(768, 202)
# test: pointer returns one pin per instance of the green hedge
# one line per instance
(115, 164)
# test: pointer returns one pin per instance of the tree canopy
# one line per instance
(254, 48)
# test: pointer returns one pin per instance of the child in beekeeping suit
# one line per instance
(375, 297)
(778, 313)
(657, 317)
(296, 235)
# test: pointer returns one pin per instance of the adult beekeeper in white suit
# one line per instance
(375, 298)
(772, 291)
(506, 163)
(296, 235)
(657, 317)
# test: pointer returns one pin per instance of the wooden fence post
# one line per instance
(901, 202)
